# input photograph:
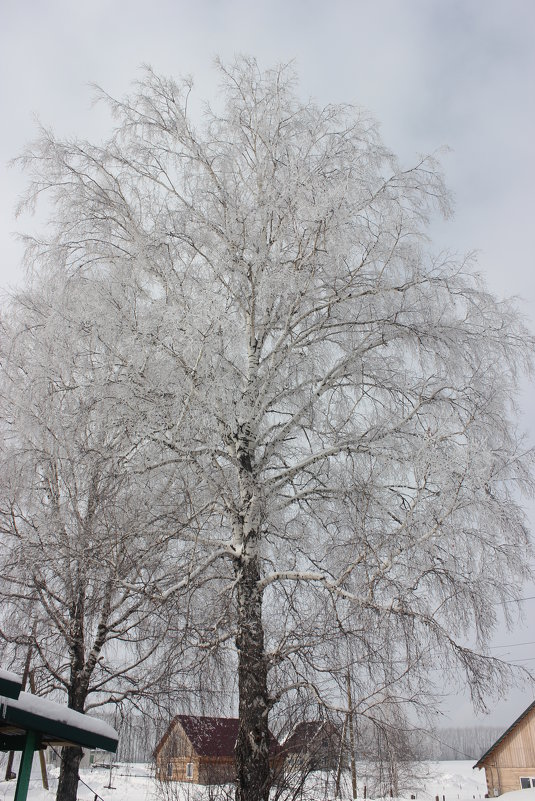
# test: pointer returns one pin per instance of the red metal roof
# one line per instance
(211, 737)
(310, 735)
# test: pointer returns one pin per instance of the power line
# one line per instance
(434, 737)
(512, 645)
(517, 600)
(524, 659)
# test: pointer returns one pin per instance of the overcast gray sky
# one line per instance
(433, 72)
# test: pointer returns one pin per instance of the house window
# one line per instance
(169, 770)
(189, 770)
(526, 783)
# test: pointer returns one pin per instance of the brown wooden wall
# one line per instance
(217, 770)
(512, 759)
(177, 752)
(206, 770)
(178, 772)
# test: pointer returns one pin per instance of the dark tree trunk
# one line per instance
(68, 776)
(252, 744)
(72, 755)
(77, 695)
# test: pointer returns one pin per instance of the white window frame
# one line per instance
(189, 770)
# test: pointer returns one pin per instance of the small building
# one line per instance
(314, 745)
(201, 750)
(510, 763)
(92, 758)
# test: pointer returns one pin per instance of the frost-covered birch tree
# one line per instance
(85, 536)
(341, 401)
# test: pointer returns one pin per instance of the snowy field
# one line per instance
(450, 781)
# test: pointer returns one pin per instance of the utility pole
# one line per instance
(351, 736)
(340, 759)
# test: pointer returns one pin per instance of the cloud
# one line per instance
(456, 72)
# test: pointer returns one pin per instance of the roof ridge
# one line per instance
(502, 737)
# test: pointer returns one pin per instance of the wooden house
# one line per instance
(201, 750)
(314, 745)
(510, 763)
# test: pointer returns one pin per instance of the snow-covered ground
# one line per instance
(457, 781)
(450, 781)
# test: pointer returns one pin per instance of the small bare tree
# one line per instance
(85, 537)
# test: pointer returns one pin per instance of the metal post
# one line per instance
(44, 775)
(25, 767)
(340, 760)
(9, 766)
(351, 737)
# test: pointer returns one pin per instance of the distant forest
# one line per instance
(139, 736)
(456, 743)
